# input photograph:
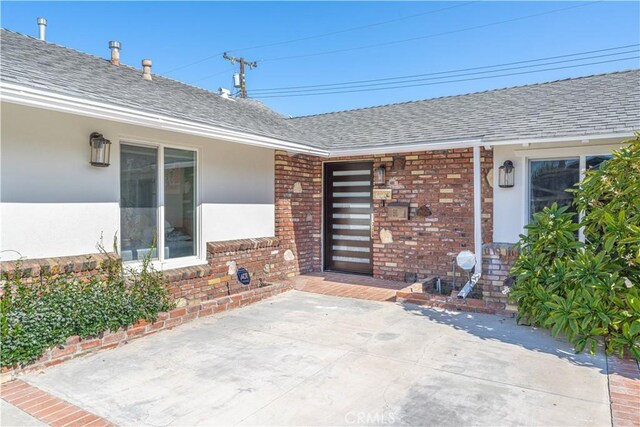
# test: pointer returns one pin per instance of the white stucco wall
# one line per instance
(510, 204)
(53, 203)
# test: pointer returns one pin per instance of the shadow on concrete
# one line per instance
(505, 329)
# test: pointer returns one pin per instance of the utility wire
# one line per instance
(444, 75)
(315, 36)
(475, 27)
(329, 52)
(447, 81)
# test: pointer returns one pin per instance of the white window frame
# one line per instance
(563, 153)
(161, 263)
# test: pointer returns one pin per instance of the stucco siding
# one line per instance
(53, 203)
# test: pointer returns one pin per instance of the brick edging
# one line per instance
(453, 303)
(624, 391)
(76, 347)
(48, 408)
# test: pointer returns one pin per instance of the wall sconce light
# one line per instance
(506, 174)
(100, 150)
(380, 174)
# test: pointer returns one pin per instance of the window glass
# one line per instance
(179, 203)
(548, 180)
(138, 201)
(593, 162)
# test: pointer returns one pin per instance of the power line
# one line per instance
(444, 75)
(351, 49)
(448, 81)
(316, 36)
(329, 52)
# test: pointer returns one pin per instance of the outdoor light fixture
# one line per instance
(380, 174)
(506, 174)
(100, 150)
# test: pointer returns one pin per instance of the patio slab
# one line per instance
(308, 359)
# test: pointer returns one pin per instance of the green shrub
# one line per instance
(591, 290)
(42, 313)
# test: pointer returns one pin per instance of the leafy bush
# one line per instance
(39, 314)
(587, 290)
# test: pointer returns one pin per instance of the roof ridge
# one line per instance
(465, 94)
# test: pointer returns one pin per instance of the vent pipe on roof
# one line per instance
(42, 27)
(115, 47)
(146, 69)
(224, 92)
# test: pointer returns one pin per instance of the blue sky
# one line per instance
(174, 34)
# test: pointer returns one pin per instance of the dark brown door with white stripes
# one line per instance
(348, 210)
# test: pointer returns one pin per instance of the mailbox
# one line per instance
(398, 211)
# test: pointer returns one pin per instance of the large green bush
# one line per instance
(592, 289)
(36, 315)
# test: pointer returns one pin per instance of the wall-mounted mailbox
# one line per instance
(398, 211)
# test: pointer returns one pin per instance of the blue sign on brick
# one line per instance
(243, 276)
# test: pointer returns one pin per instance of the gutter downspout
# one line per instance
(477, 208)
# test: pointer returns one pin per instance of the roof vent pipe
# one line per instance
(146, 69)
(115, 47)
(224, 92)
(42, 27)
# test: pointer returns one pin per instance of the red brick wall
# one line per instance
(298, 193)
(264, 259)
(442, 180)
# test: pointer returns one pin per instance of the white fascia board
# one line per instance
(406, 148)
(43, 99)
(577, 138)
(468, 143)
(569, 151)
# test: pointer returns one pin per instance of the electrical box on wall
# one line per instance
(398, 211)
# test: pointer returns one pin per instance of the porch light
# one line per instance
(100, 150)
(380, 174)
(506, 174)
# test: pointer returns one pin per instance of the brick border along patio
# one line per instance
(624, 391)
(47, 408)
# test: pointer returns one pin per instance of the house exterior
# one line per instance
(207, 184)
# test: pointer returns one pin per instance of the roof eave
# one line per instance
(28, 96)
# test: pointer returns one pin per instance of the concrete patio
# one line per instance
(308, 359)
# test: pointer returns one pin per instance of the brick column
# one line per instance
(496, 263)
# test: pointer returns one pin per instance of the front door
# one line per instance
(348, 211)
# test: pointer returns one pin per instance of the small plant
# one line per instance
(587, 290)
(40, 313)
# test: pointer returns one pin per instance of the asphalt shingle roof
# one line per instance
(47, 66)
(605, 103)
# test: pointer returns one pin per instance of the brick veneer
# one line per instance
(441, 180)
(78, 266)
(75, 347)
(263, 258)
(453, 303)
(497, 259)
(298, 194)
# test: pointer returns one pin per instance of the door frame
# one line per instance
(325, 231)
